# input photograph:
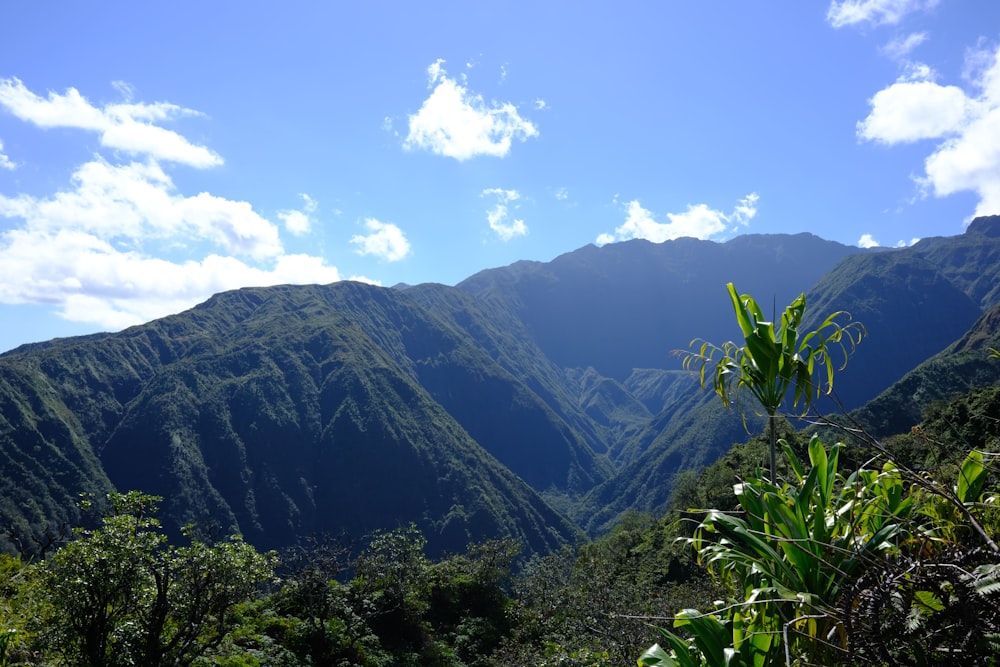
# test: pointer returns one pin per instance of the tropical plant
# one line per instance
(862, 569)
(774, 358)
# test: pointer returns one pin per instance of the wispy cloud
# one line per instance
(457, 123)
(126, 127)
(966, 123)
(874, 12)
(5, 161)
(385, 241)
(900, 48)
(498, 216)
(698, 221)
(120, 244)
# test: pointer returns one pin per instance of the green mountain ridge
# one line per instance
(536, 400)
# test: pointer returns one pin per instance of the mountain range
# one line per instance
(537, 400)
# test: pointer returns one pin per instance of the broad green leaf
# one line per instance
(971, 477)
(928, 600)
(655, 655)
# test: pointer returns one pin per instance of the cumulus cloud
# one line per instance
(90, 280)
(457, 123)
(965, 122)
(912, 110)
(6, 162)
(119, 244)
(138, 201)
(126, 127)
(867, 241)
(385, 241)
(299, 222)
(498, 216)
(698, 221)
(874, 12)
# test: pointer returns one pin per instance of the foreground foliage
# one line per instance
(845, 562)
(867, 568)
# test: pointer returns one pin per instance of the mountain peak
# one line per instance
(987, 225)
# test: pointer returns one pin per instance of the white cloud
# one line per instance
(457, 123)
(874, 12)
(968, 125)
(699, 221)
(386, 241)
(867, 241)
(90, 280)
(126, 127)
(299, 222)
(899, 48)
(498, 216)
(913, 110)
(296, 222)
(562, 194)
(136, 202)
(119, 245)
(6, 162)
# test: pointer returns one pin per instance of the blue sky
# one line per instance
(152, 154)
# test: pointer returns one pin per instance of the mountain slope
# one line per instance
(275, 414)
(961, 367)
(909, 308)
(627, 305)
(498, 407)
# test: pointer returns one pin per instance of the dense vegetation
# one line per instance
(883, 568)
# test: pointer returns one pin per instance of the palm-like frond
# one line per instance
(774, 359)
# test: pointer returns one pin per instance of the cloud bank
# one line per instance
(119, 244)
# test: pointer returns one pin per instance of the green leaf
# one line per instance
(971, 477)
(655, 655)
(928, 601)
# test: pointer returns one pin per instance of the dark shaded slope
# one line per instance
(687, 435)
(909, 308)
(509, 396)
(970, 261)
(619, 414)
(961, 367)
(626, 305)
(45, 461)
